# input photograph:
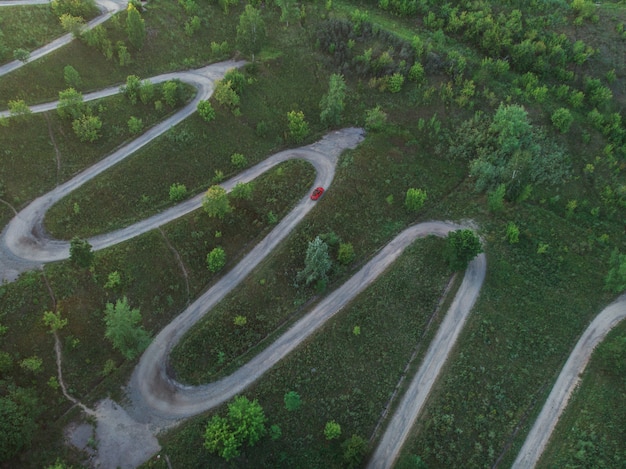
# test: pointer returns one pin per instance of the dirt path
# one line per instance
(566, 383)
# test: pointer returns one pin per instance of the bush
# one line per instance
(346, 253)
(72, 77)
(395, 82)
(562, 119)
(178, 192)
(461, 247)
(415, 199)
(216, 259)
(206, 111)
(292, 401)
(332, 430)
(375, 119)
(135, 125)
(298, 127)
(87, 128)
(82, 8)
(238, 160)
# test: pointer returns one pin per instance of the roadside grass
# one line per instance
(54, 153)
(517, 338)
(28, 27)
(339, 375)
(591, 430)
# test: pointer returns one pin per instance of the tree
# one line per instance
(238, 160)
(81, 253)
(332, 103)
(135, 125)
(135, 26)
(461, 247)
(131, 88)
(562, 119)
(251, 31)
(226, 95)
(70, 104)
(178, 192)
(123, 329)
(332, 430)
(54, 321)
(415, 199)
(512, 233)
(615, 279)
(298, 127)
(245, 424)
(288, 10)
(215, 202)
(375, 119)
(354, 450)
(87, 128)
(317, 262)
(18, 108)
(345, 255)
(216, 259)
(292, 401)
(72, 24)
(171, 92)
(123, 55)
(206, 111)
(242, 190)
(82, 8)
(21, 54)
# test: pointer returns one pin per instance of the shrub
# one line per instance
(206, 111)
(178, 192)
(238, 160)
(216, 259)
(72, 77)
(562, 119)
(298, 127)
(292, 401)
(375, 119)
(87, 128)
(346, 253)
(415, 199)
(332, 430)
(135, 125)
(395, 82)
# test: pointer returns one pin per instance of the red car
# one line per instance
(317, 193)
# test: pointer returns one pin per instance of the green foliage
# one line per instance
(114, 280)
(414, 199)
(245, 424)
(81, 253)
(395, 82)
(18, 411)
(32, 364)
(615, 280)
(292, 401)
(226, 95)
(206, 111)
(131, 88)
(81, 8)
(123, 55)
(178, 192)
(345, 255)
(298, 126)
(215, 203)
(416, 73)
(242, 190)
(123, 329)
(237, 80)
(135, 125)
(171, 92)
(72, 77)
(375, 119)
(87, 128)
(135, 27)
(354, 450)
(71, 105)
(54, 321)
(250, 31)
(317, 263)
(275, 432)
(72, 24)
(495, 198)
(18, 108)
(332, 430)
(240, 320)
(216, 259)
(332, 103)
(461, 247)
(562, 119)
(192, 25)
(146, 91)
(238, 160)
(512, 233)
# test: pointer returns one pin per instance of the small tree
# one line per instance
(54, 321)
(146, 91)
(332, 430)
(298, 127)
(226, 95)
(206, 111)
(123, 54)
(171, 92)
(251, 31)
(461, 247)
(87, 128)
(495, 198)
(81, 253)
(135, 125)
(72, 24)
(178, 192)
(512, 233)
(332, 104)
(21, 54)
(123, 329)
(317, 262)
(354, 450)
(375, 119)
(292, 401)
(215, 202)
(18, 108)
(562, 119)
(135, 26)
(414, 200)
(131, 88)
(70, 104)
(242, 190)
(238, 160)
(216, 259)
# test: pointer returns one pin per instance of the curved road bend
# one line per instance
(107, 7)
(24, 244)
(566, 383)
(159, 400)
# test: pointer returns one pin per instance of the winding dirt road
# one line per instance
(156, 400)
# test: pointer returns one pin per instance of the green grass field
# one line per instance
(539, 295)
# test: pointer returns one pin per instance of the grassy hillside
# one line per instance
(508, 115)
